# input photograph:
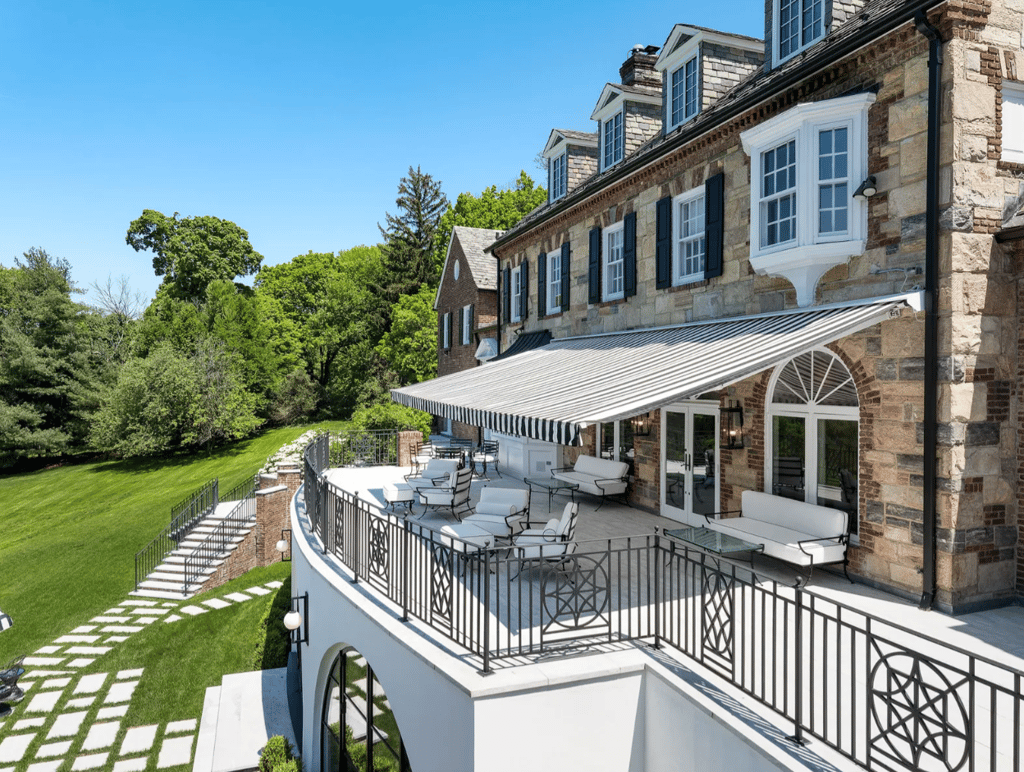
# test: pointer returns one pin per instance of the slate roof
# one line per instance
(878, 17)
(474, 241)
(1013, 226)
(583, 136)
(525, 342)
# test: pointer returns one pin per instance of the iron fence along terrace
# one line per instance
(881, 694)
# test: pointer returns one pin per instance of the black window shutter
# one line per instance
(714, 225)
(440, 332)
(524, 294)
(629, 254)
(461, 341)
(506, 296)
(470, 310)
(595, 265)
(663, 243)
(565, 276)
(542, 278)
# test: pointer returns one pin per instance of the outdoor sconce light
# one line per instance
(641, 425)
(867, 188)
(298, 626)
(732, 425)
(282, 547)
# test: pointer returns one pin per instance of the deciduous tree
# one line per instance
(193, 251)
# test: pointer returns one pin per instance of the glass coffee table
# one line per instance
(552, 486)
(715, 542)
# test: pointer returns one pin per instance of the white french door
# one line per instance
(689, 462)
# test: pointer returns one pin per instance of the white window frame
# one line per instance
(690, 99)
(811, 413)
(1012, 129)
(804, 258)
(559, 178)
(613, 246)
(446, 326)
(516, 292)
(467, 326)
(682, 236)
(617, 150)
(554, 282)
(803, 43)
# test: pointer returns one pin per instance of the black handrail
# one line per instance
(217, 544)
(184, 517)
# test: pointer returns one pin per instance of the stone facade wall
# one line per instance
(979, 334)
(641, 122)
(722, 68)
(581, 164)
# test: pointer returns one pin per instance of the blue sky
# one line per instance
(294, 120)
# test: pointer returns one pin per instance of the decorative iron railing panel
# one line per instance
(886, 697)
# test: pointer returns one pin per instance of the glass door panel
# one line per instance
(675, 460)
(788, 456)
(705, 434)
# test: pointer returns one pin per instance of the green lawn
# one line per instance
(68, 536)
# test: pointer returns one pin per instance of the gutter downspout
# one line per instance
(931, 337)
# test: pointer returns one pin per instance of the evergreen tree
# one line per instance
(408, 248)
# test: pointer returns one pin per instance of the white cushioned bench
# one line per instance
(793, 531)
(596, 476)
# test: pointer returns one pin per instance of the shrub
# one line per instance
(391, 417)
(271, 641)
(278, 756)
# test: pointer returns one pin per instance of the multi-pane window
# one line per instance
(612, 140)
(558, 177)
(517, 294)
(690, 245)
(554, 280)
(833, 181)
(614, 266)
(684, 92)
(778, 194)
(801, 22)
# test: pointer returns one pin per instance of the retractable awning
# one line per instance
(554, 392)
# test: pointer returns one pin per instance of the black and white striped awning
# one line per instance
(554, 392)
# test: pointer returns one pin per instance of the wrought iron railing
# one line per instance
(363, 447)
(184, 517)
(217, 543)
(883, 695)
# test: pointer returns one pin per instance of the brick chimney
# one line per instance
(638, 69)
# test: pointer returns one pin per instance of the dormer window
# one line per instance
(557, 177)
(799, 24)
(611, 141)
(685, 93)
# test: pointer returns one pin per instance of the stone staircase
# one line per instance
(167, 580)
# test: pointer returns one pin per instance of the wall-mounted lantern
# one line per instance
(732, 425)
(641, 425)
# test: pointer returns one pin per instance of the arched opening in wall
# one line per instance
(811, 432)
(358, 729)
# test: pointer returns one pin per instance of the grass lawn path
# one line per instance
(68, 536)
(124, 691)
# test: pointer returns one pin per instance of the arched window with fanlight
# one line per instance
(812, 432)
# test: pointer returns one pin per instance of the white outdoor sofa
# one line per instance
(597, 476)
(793, 531)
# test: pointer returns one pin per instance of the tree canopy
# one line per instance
(193, 251)
(493, 208)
